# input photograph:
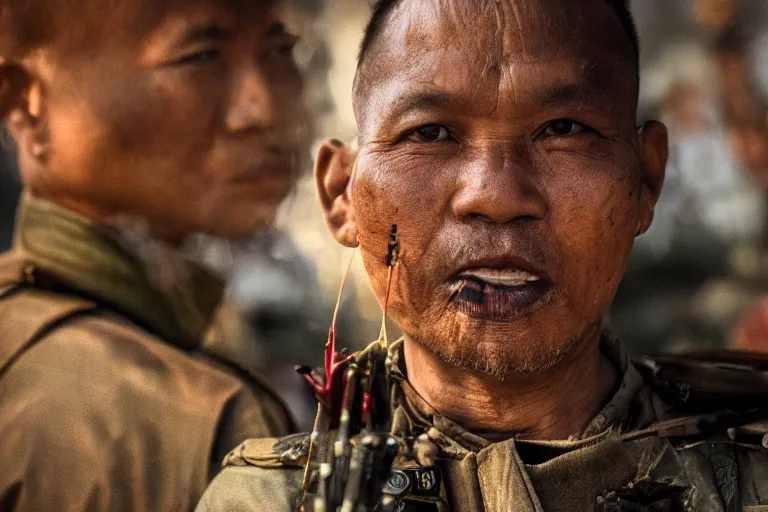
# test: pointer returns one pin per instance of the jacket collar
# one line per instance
(149, 282)
(631, 407)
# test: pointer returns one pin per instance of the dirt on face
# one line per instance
(500, 137)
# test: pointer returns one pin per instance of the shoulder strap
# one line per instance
(289, 451)
(27, 311)
(701, 384)
(28, 314)
(749, 423)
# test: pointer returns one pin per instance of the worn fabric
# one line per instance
(113, 402)
(604, 468)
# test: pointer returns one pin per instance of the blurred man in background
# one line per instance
(136, 124)
(697, 270)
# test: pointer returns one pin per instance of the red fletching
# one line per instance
(330, 391)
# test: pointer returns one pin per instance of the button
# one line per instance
(425, 479)
(398, 483)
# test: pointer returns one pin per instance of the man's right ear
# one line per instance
(17, 91)
(333, 172)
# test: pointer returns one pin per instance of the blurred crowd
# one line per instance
(694, 279)
(695, 275)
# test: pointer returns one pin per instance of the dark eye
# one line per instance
(283, 46)
(564, 127)
(430, 134)
(199, 57)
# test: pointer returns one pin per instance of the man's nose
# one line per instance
(499, 186)
(253, 103)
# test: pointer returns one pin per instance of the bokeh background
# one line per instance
(691, 278)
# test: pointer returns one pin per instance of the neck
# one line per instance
(550, 405)
(109, 219)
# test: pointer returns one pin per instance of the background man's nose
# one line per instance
(499, 187)
(253, 103)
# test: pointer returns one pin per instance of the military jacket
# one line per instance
(682, 436)
(109, 397)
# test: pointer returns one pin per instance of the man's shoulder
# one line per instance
(706, 382)
(102, 337)
(709, 397)
(288, 453)
(42, 320)
(96, 367)
(260, 474)
(101, 354)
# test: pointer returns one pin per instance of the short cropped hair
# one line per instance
(382, 8)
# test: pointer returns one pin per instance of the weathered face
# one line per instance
(188, 115)
(500, 137)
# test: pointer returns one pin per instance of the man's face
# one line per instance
(187, 114)
(500, 138)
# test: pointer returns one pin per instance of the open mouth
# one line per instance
(498, 294)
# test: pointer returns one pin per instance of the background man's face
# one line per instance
(188, 115)
(501, 140)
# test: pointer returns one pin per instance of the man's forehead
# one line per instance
(458, 85)
(136, 18)
(529, 27)
(154, 12)
(478, 51)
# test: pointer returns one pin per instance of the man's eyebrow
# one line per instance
(560, 94)
(204, 33)
(422, 101)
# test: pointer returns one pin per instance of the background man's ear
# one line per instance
(16, 91)
(654, 151)
(333, 171)
(21, 103)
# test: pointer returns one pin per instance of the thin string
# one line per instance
(330, 352)
(383, 335)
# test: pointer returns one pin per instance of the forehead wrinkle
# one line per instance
(426, 28)
(565, 86)
(553, 28)
(558, 84)
(431, 81)
(539, 27)
(502, 37)
(518, 22)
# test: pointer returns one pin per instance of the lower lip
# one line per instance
(485, 301)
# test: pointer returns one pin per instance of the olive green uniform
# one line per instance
(639, 453)
(110, 398)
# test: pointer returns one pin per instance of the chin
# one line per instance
(498, 349)
(503, 360)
